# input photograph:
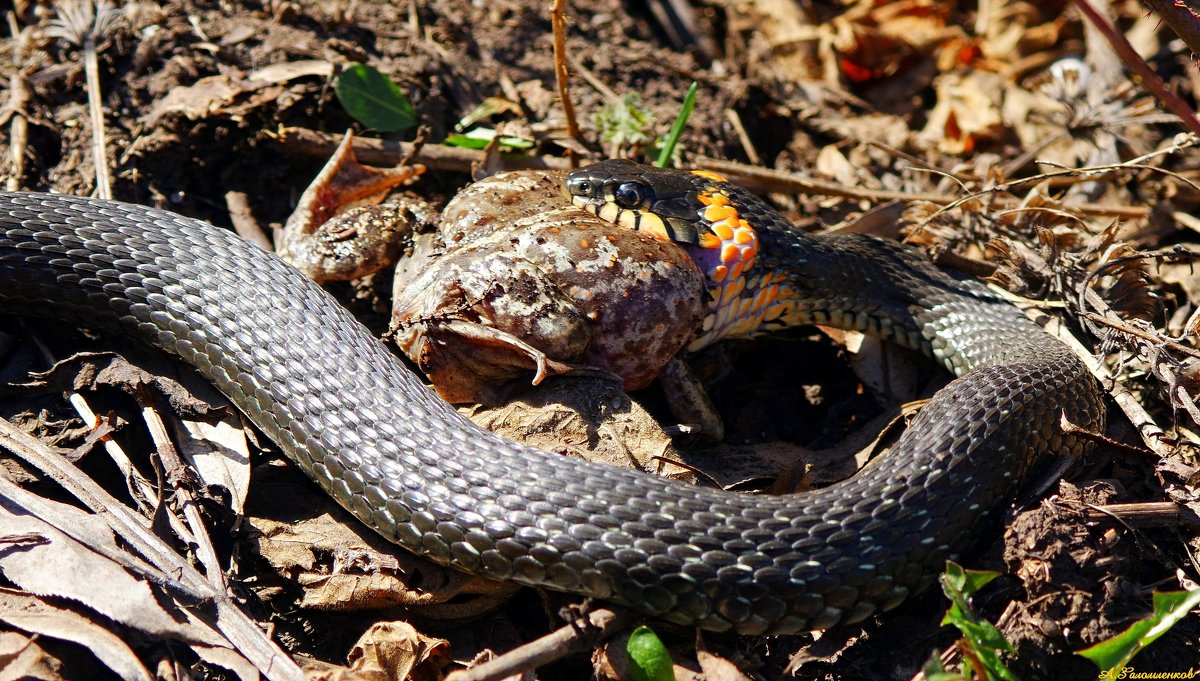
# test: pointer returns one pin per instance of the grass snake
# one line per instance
(367, 429)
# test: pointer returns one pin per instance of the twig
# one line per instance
(1121, 326)
(574, 637)
(762, 180)
(585, 73)
(388, 152)
(1152, 435)
(143, 493)
(1139, 66)
(767, 180)
(18, 94)
(1088, 172)
(1148, 514)
(1182, 17)
(1069, 428)
(562, 74)
(226, 617)
(238, 205)
(205, 552)
(14, 109)
(91, 70)
(735, 121)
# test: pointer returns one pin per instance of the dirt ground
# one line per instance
(958, 127)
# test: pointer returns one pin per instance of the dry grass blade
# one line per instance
(86, 26)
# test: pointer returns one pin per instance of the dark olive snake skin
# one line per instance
(372, 435)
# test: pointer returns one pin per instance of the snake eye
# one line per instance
(629, 195)
(582, 188)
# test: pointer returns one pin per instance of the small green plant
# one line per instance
(1112, 655)
(649, 657)
(982, 642)
(624, 123)
(372, 99)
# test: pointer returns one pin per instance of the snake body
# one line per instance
(405, 463)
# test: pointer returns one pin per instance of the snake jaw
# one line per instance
(702, 213)
(636, 219)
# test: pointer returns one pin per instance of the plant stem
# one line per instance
(91, 70)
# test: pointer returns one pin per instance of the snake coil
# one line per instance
(372, 435)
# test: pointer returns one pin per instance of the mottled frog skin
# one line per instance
(519, 283)
(511, 283)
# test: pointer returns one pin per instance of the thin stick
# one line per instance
(767, 180)
(14, 108)
(1121, 326)
(1139, 66)
(242, 217)
(1182, 17)
(1152, 434)
(577, 636)
(389, 152)
(562, 73)
(85, 24)
(205, 553)
(1148, 514)
(386, 152)
(91, 70)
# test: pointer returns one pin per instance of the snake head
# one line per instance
(641, 197)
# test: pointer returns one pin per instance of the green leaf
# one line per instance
(372, 99)
(968, 581)
(1116, 652)
(685, 112)
(479, 138)
(982, 638)
(651, 661)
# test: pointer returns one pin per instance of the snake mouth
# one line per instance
(589, 204)
(636, 219)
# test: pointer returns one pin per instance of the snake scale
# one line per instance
(375, 437)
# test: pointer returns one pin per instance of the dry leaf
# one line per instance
(396, 651)
(224, 95)
(832, 163)
(51, 563)
(36, 616)
(218, 453)
(342, 566)
(282, 72)
(23, 657)
(717, 668)
(967, 112)
(59, 565)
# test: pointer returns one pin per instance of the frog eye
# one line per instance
(629, 195)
